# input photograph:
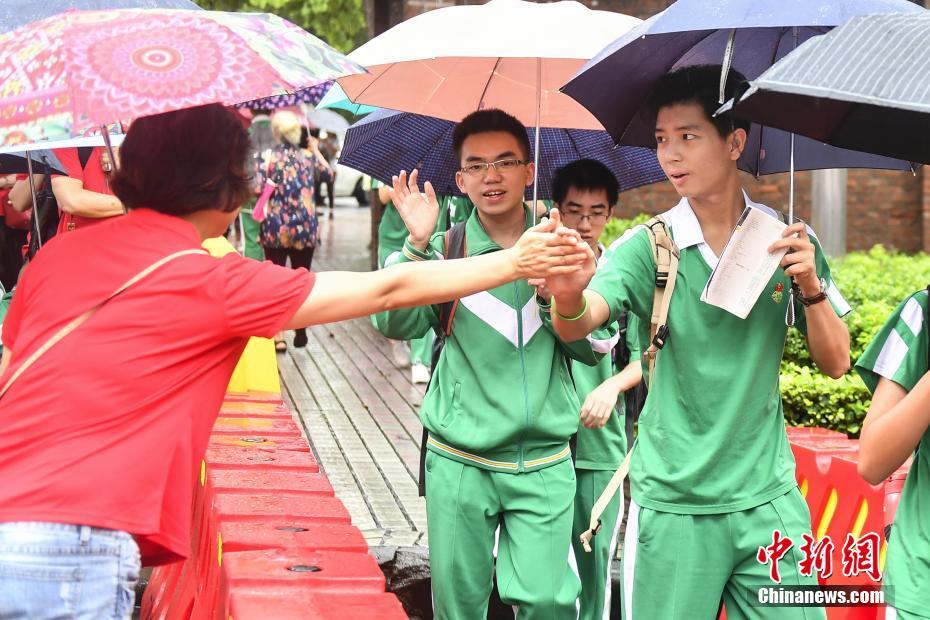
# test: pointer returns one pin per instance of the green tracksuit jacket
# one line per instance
(501, 397)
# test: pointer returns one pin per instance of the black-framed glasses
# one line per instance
(577, 218)
(501, 165)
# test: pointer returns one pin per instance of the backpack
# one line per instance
(46, 216)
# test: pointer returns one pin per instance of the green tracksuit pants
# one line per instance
(594, 567)
(680, 566)
(464, 507)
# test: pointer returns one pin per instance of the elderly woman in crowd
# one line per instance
(289, 230)
(107, 400)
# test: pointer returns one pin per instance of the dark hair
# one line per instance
(304, 138)
(484, 121)
(185, 161)
(314, 131)
(700, 84)
(584, 174)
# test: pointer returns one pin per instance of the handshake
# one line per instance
(553, 257)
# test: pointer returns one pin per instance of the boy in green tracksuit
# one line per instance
(584, 191)
(711, 474)
(894, 367)
(501, 407)
(391, 235)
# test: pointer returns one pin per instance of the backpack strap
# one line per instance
(454, 247)
(78, 321)
(666, 255)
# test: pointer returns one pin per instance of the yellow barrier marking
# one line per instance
(219, 546)
(246, 422)
(860, 518)
(828, 513)
(245, 407)
(203, 473)
(804, 488)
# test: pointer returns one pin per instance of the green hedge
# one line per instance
(874, 283)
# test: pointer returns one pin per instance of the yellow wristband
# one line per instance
(584, 308)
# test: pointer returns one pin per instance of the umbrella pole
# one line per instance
(789, 314)
(35, 203)
(536, 147)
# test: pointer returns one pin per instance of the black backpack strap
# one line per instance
(454, 248)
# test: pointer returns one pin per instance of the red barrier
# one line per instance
(313, 605)
(265, 522)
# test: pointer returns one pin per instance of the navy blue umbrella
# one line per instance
(16, 13)
(616, 83)
(386, 142)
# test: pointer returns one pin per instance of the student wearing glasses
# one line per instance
(501, 406)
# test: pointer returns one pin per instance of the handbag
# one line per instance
(260, 210)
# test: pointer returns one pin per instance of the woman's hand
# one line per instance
(549, 248)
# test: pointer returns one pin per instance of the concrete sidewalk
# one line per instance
(358, 409)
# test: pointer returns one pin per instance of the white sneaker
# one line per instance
(400, 351)
(419, 373)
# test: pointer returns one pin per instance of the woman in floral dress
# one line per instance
(289, 229)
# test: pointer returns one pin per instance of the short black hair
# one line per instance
(700, 84)
(584, 174)
(484, 121)
(305, 134)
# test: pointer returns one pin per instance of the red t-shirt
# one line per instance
(91, 175)
(109, 427)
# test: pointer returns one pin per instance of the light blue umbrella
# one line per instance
(337, 99)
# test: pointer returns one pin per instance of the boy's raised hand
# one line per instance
(549, 248)
(420, 211)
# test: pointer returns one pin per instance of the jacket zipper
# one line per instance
(518, 308)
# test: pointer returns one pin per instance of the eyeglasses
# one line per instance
(577, 218)
(501, 165)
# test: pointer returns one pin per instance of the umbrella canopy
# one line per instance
(13, 158)
(386, 142)
(65, 74)
(616, 84)
(16, 13)
(311, 96)
(337, 99)
(329, 121)
(863, 86)
(506, 54)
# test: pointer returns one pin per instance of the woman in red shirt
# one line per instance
(104, 431)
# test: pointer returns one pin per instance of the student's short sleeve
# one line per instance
(260, 297)
(899, 350)
(633, 338)
(625, 276)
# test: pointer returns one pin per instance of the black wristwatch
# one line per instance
(816, 299)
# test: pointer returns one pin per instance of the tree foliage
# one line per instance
(341, 23)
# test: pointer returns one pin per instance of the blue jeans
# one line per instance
(55, 570)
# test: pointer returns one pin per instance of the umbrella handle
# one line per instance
(35, 201)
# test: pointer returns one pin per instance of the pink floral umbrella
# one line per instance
(70, 73)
